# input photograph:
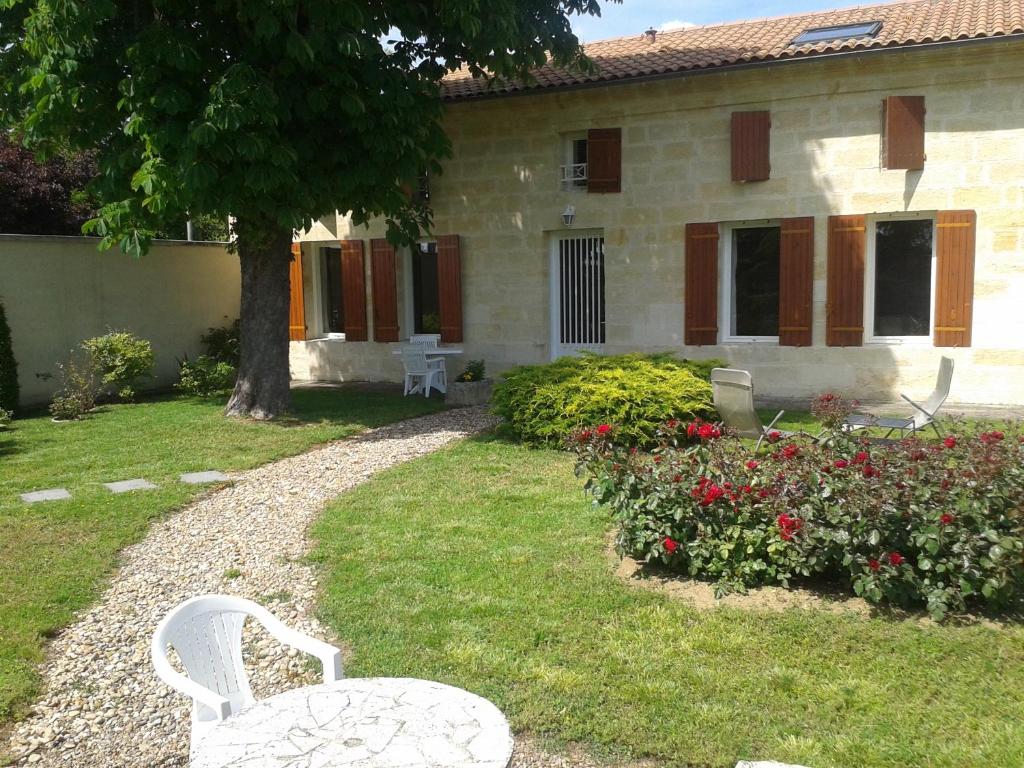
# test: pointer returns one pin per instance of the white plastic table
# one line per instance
(438, 351)
(377, 722)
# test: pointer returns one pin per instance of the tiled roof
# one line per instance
(904, 24)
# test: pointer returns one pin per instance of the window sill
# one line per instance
(900, 341)
(750, 340)
(330, 337)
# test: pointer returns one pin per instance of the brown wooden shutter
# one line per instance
(353, 289)
(296, 304)
(903, 132)
(701, 309)
(751, 141)
(604, 160)
(954, 279)
(385, 290)
(449, 287)
(844, 325)
(796, 281)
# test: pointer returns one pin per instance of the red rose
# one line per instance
(671, 545)
(949, 442)
(874, 565)
(708, 432)
(862, 457)
(586, 434)
(791, 450)
(991, 437)
(677, 479)
(895, 558)
(774, 436)
(657, 459)
(604, 429)
(747, 489)
(946, 519)
(752, 464)
(788, 526)
(711, 495)
(691, 429)
(840, 463)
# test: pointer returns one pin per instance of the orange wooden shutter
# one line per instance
(903, 132)
(844, 310)
(954, 279)
(701, 309)
(796, 281)
(449, 287)
(296, 304)
(751, 140)
(385, 290)
(604, 160)
(353, 289)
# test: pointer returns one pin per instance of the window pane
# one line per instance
(425, 304)
(903, 278)
(755, 273)
(330, 290)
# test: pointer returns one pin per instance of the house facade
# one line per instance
(831, 215)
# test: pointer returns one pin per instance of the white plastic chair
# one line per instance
(925, 413)
(206, 633)
(733, 392)
(428, 340)
(421, 372)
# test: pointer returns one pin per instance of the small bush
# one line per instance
(937, 524)
(121, 359)
(5, 418)
(205, 376)
(541, 404)
(474, 371)
(223, 344)
(8, 367)
(77, 395)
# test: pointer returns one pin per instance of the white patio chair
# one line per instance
(206, 633)
(429, 340)
(733, 392)
(924, 415)
(423, 373)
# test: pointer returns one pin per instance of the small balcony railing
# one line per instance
(574, 175)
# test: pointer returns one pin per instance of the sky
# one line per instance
(634, 16)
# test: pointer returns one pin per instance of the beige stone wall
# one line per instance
(58, 291)
(501, 192)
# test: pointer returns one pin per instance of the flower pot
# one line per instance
(469, 392)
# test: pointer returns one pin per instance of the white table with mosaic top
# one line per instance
(362, 723)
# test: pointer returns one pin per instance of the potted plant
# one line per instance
(470, 387)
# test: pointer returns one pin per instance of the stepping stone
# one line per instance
(764, 764)
(198, 478)
(123, 486)
(50, 494)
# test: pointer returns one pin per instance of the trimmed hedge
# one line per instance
(9, 392)
(543, 404)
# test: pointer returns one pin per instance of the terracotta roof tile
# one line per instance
(904, 24)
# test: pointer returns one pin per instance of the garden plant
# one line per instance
(934, 523)
(121, 360)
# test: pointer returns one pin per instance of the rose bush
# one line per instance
(933, 523)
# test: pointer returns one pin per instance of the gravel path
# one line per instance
(103, 706)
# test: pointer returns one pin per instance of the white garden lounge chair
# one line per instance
(923, 416)
(733, 392)
(206, 633)
(421, 372)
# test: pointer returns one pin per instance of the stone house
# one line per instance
(831, 200)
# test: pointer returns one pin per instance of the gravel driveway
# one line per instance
(103, 706)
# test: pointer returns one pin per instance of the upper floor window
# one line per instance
(592, 161)
(574, 170)
(900, 279)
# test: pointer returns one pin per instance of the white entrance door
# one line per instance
(577, 294)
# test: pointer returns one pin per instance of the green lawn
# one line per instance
(484, 566)
(55, 556)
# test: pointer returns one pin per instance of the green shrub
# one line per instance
(474, 371)
(120, 359)
(77, 394)
(205, 376)
(223, 344)
(8, 367)
(541, 404)
(937, 524)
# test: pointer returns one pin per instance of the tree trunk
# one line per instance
(261, 390)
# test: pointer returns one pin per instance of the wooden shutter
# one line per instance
(701, 309)
(353, 289)
(796, 281)
(296, 304)
(385, 290)
(751, 140)
(604, 160)
(903, 132)
(845, 305)
(449, 287)
(954, 279)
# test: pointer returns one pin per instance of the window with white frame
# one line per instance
(900, 278)
(574, 168)
(750, 282)
(332, 306)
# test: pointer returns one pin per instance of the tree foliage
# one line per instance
(43, 196)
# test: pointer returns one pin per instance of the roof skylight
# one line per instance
(838, 32)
